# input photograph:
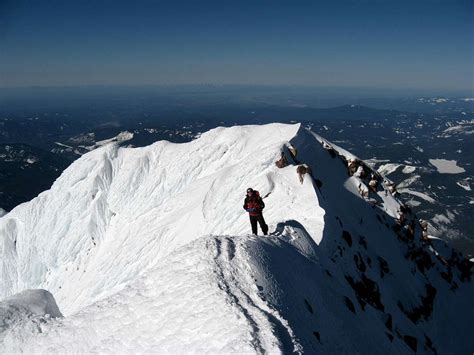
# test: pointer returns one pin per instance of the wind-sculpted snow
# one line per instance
(115, 212)
(147, 250)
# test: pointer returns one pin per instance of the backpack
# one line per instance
(255, 202)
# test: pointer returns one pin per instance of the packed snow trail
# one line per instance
(182, 304)
(218, 294)
(147, 250)
(235, 278)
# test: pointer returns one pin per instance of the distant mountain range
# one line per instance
(387, 138)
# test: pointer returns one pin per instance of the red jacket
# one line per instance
(254, 204)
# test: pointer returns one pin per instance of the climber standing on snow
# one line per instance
(254, 205)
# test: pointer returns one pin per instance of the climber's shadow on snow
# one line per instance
(287, 252)
(280, 227)
(296, 234)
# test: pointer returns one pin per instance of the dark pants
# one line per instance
(261, 221)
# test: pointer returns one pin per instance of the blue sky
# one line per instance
(390, 44)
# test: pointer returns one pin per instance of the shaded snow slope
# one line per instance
(34, 305)
(147, 250)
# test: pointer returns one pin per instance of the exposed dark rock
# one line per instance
(359, 262)
(424, 310)
(362, 242)
(421, 258)
(404, 209)
(390, 336)
(347, 237)
(341, 250)
(465, 267)
(332, 152)
(367, 291)
(349, 304)
(310, 309)
(410, 231)
(318, 183)
(317, 335)
(429, 344)
(411, 342)
(389, 322)
(384, 269)
(448, 275)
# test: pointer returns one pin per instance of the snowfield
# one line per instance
(148, 250)
(445, 166)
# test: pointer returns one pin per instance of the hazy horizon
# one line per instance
(423, 45)
(329, 91)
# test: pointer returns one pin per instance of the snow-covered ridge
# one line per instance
(114, 202)
(458, 128)
(84, 143)
(148, 250)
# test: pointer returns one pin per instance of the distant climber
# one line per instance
(254, 205)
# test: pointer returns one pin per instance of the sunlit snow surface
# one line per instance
(447, 166)
(148, 250)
